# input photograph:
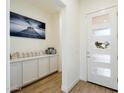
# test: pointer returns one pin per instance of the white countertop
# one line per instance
(30, 58)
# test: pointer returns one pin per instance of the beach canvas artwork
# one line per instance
(22, 26)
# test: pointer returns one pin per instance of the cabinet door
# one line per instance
(43, 66)
(30, 71)
(15, 75)
(53, 64)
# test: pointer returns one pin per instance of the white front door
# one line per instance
(102, 48)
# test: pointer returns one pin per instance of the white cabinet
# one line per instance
(25, 71)
(30, 71)
(53, 64)
(15, 75)
(43, 66)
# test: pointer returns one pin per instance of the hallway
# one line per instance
(52, 84)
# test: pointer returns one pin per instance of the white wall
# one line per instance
(88, 6)
(29, 44)
(56, 28)
(70, 44)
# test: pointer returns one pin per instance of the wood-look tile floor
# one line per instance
(52, 84)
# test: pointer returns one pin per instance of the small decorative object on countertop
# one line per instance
(10, 56)
(50, 50)
(17, 55)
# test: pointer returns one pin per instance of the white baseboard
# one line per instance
(73, 84)
(66, 90)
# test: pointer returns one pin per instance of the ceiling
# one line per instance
(51, 6)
